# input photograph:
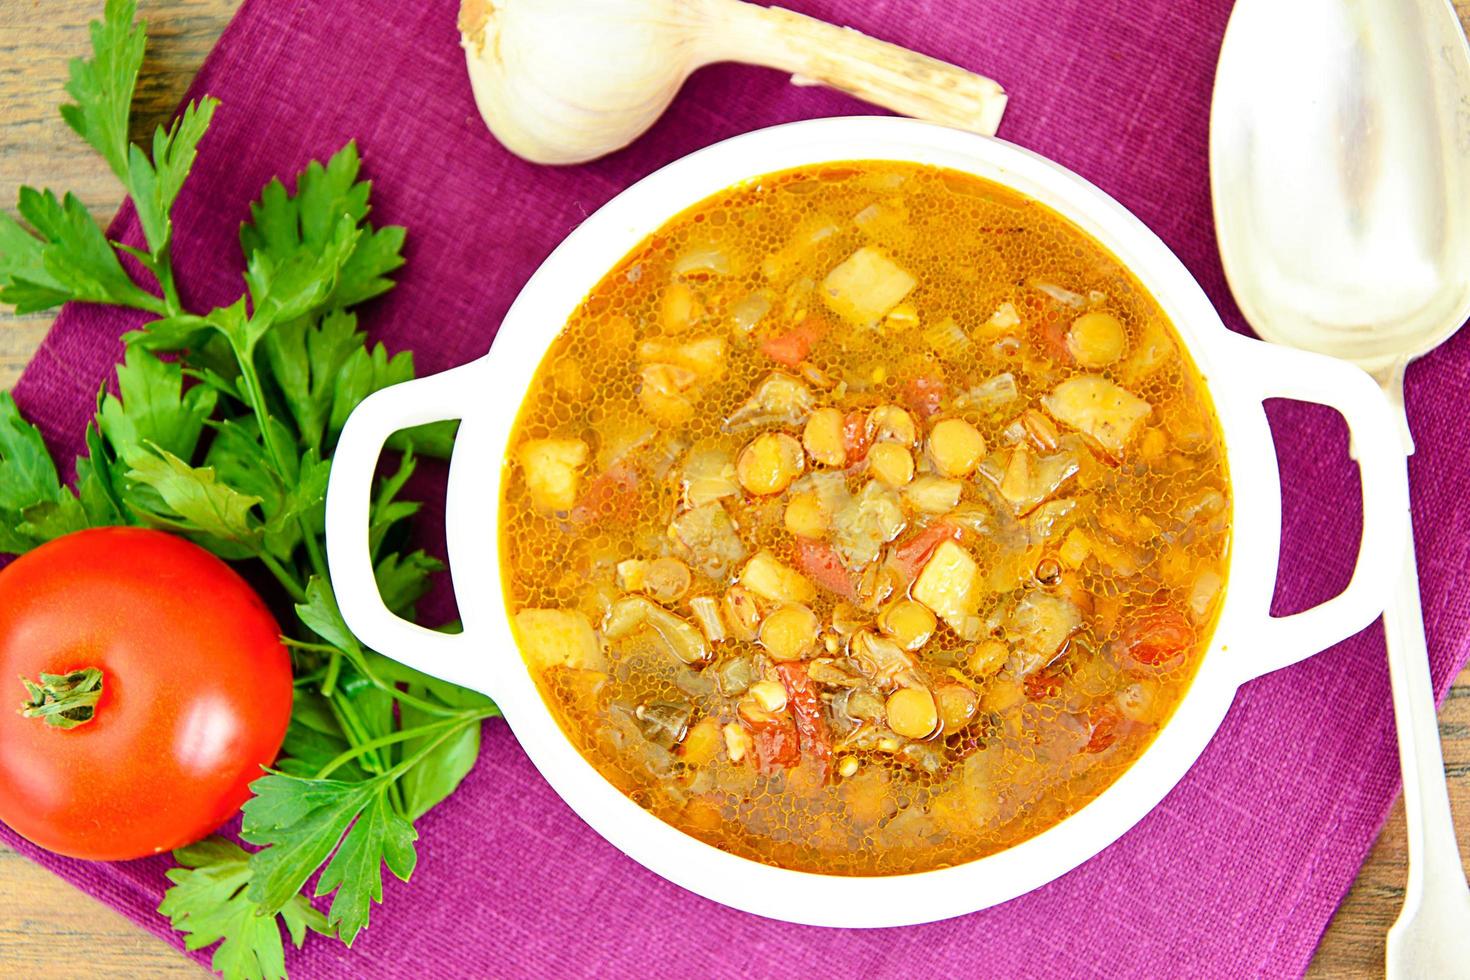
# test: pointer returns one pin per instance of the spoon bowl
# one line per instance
(1339, 141)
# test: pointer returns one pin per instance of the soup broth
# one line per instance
(865, 519)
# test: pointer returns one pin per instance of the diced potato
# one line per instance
(1004, 692)
(569, 381)
(662, 393)
(702, 743)
(705, 356)
(738, 743)
(1075, 548)
(891, 463)
(769, 463)
(680, 308)
(1096, 339)
(558, 638)
(823, 438)
(770, 695)
(910, 623)
(1153, 444)
(805, 516)
(765, 576)
(933, 494)
(631, 574)
(902, 317)
(553, 468)
(912, 712)
(1094, 405)
(1202, 594)
(956, 447)
(947, 584)
(789, 632)
(987, 657)
(1005, 318)
(866, 285)
(808, 236)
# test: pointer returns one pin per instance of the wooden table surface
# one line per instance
(47, 928)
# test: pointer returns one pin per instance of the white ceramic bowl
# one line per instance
(486, 395)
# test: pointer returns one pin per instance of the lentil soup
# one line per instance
(864, 520)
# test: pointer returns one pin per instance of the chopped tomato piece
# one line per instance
(1104, 721)
(925, 396)
(819, 562)
(1158, 637)
(776, 745)
(612, 496)
(1042, 684)
(792, 347)
(910, 556)
(806, 708)
(856, 436)
(1051, 332)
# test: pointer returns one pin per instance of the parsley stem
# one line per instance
(163, 271)
(255, 398)
(391, 738)
(287, 580)
(334, 668)
(433, 744)
(402, 696)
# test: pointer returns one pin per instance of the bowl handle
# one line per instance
(1375, 443)
(449, 656)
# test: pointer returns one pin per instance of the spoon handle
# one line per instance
(819, 53)
(1431, 927)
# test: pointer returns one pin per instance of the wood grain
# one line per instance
(48, 928)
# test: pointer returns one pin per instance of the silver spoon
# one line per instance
(1340, 164)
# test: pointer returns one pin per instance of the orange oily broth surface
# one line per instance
(1098, 558)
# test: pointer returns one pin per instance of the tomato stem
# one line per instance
(63, 700)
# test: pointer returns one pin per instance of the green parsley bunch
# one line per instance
(228, 442)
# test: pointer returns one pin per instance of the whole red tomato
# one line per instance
(195, 693)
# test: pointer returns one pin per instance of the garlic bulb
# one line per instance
(565, 81)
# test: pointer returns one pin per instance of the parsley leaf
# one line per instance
(155, 185)
(103, 87)
(34, 506)
(153, 406)
(403, 579)
(192, 501)
(209, 902)
(327, 198)
(303, 821)
(379, 837)
(69, 258)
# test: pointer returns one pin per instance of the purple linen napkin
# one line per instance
(1235, 874)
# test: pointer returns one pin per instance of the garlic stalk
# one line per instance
(565, 81)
